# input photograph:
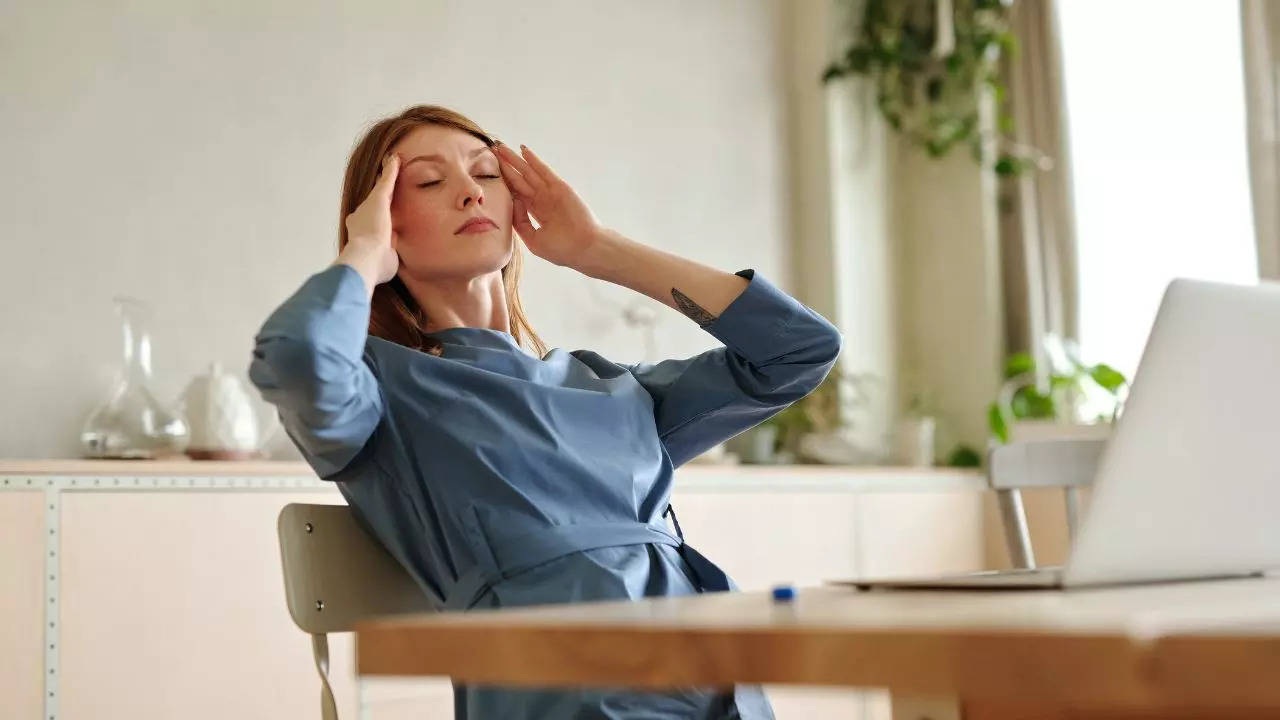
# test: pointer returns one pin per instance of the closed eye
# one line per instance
(437, 182)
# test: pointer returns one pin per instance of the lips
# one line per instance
(475, 224)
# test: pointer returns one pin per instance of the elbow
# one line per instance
(284, 369)
(821, 360)
(825, 349)
(800, 373)
(306, 378)
(833, 343)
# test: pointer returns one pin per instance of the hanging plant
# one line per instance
(930, 61)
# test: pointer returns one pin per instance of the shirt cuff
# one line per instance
(764, 321)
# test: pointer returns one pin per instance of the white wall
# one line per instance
(191, 153)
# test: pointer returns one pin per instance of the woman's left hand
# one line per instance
(567, 232)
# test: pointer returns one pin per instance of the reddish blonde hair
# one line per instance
(395, 316)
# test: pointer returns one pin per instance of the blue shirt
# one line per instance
(498, 479)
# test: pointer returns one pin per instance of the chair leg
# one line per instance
(1016, 536)
(1073, 512)
(320, 649)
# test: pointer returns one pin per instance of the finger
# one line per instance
(512, 164)
(387, 175)
(542, 169)
(517, 182)
(520, 220)
(509, 157)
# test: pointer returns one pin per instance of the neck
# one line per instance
(479, 301)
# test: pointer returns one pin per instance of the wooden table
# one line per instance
(1176, 649)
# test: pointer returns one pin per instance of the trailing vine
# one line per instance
(930, 61)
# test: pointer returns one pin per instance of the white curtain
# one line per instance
(1260, 21)
(1037, 219)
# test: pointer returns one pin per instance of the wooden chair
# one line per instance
(335, 574)
(1066, 463)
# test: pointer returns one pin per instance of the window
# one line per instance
(1155, 108)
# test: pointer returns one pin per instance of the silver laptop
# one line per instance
(1188, 486)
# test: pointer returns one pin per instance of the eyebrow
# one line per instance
(437, 158)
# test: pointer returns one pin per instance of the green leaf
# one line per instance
(1028, 402)
(995, 421)
(859, 59)
(1058, 381)
(933, 88)
(1018, 363)
(1008, 43)
(1006, 166)
(964, 456)
(1108, 377)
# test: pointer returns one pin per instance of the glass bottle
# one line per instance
(132, 424)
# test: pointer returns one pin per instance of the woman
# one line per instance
(498, 477)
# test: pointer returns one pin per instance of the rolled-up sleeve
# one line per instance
(776, 351)
(310, 361)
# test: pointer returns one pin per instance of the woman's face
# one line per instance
(448, 177)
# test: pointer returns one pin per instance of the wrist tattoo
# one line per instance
(692, 309)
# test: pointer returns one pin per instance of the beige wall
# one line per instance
(948, 290)
(917, 288)
(190, 153)
(899, 249)
(191, 156)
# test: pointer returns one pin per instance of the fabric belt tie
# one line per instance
(519, 552)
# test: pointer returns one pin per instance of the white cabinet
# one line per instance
(164, 596)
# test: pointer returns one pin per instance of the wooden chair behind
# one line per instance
(1066, 463)
(336, 574)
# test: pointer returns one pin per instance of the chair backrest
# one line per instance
(336, 574)
(1067, 463)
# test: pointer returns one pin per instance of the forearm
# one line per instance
(698, 291)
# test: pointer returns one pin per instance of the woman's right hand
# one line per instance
(371, 241)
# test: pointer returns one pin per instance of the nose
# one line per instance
(471, 193)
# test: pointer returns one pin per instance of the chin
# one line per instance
(488, 257)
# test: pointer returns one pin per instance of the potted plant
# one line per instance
(1070, 391)
(933, 64)
(1076, 399)
(813, 429)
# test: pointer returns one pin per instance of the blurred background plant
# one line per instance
(1070, 392)
(933, 63)
(1075, 392)
(820, 410)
